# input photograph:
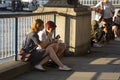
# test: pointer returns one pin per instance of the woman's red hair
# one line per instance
(50, 24)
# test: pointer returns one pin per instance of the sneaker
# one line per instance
(117, 39)
(97, 45)
(51, 64)
(65, 68)
(39, 67)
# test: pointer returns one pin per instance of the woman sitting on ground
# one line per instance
(47, 33)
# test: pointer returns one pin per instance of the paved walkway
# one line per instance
(102, 64)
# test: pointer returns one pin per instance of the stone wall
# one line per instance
(73, 24)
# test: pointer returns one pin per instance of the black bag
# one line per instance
(24, 55)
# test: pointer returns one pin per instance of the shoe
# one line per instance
(97, 45)
(117, 39)
(39, 67)
(65, 68)
(51, 64)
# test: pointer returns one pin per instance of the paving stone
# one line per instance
(102, 64)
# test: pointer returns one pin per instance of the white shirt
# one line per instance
(108, 9)
(42, 35)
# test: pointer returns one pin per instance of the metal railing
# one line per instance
(13, 30)
(93, 2)
(86, 2)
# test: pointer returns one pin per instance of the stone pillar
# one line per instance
(73, 24)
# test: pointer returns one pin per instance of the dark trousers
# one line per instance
(100, 35)
(109, 28)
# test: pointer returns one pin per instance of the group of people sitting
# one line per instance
(102, 32)
(106, 25)
(40, 47)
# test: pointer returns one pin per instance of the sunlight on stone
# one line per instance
(108, 76)
(94, 76)
(116, 61)
(106, 61)
(82, 76)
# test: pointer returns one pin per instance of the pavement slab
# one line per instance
(101, 64)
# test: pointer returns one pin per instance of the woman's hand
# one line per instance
(57, 37)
